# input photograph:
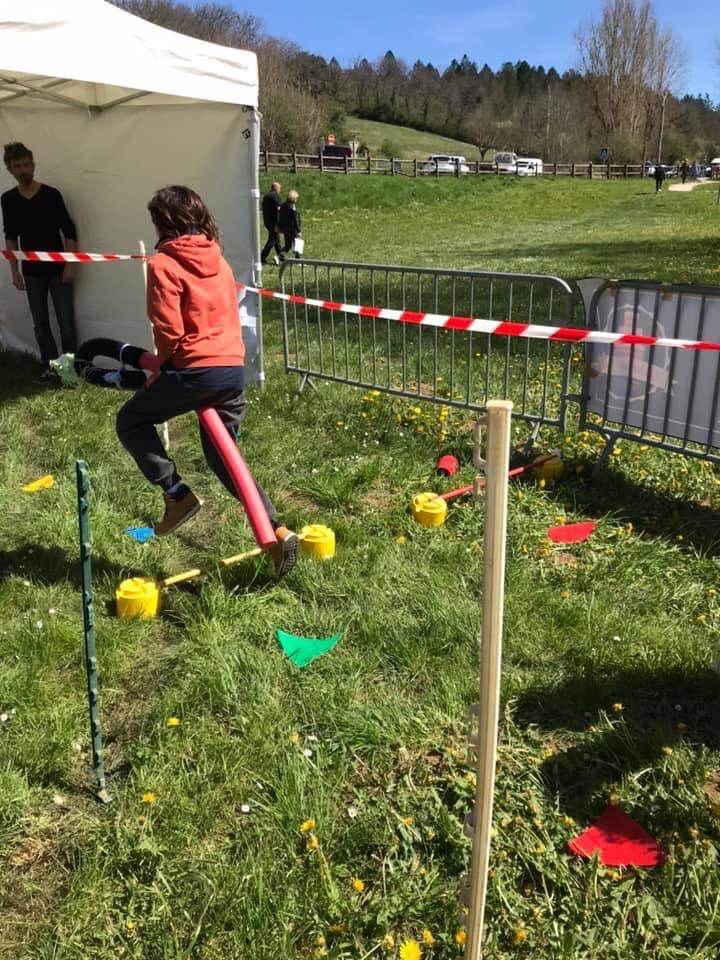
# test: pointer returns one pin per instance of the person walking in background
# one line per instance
(193, 309)
(684, 169)
(34, 217)
(271, 204)
(290, 224)
(659, 177)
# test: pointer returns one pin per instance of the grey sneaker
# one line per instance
(284, 552)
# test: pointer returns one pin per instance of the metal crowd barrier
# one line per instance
(453, 367)
(667, 398)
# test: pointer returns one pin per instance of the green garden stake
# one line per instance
(303, 650)
(89, 628)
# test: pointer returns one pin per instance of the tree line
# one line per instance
(620, 96)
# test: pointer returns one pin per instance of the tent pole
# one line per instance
(255, 230)
(164, 427)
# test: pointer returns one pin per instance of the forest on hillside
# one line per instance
(622, 97)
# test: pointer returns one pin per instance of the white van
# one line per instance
(444, 163)
(505, 161)
(529, 167)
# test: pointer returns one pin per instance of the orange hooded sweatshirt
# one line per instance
(192, 304)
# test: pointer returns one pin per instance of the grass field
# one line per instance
(262, 812)
(410, 144)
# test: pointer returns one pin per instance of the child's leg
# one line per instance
(135, 425)
(164, 399)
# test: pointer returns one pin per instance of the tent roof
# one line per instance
(45, 45)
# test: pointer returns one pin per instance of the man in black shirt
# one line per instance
(270, 210)
(34, 217)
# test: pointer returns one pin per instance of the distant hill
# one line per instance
(409, 143)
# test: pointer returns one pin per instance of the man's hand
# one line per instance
(68, 274)
(18, 281)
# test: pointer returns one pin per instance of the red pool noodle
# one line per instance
(241, 477)
(234, 464)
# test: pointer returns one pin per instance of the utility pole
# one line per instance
(662, 127)
(547, 120)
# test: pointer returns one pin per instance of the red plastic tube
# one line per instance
(241, 477)
(516, 472)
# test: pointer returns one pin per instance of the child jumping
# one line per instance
(192, 305)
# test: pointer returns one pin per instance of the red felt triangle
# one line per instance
(619, 841)
(572, 532)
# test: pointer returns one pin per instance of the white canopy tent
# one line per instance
(113, 108)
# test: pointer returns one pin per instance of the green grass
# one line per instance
(409, 143)
(606, 685)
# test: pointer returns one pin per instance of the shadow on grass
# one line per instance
(19, 375)
(48, 565)
(660, 708)
(652, 513)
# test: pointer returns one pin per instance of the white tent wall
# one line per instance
(107, 166)
(113, 108)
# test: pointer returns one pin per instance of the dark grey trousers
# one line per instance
(170, 396)
(38, 288)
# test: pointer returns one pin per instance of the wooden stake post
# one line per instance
(483, 743)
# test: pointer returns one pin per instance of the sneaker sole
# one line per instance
(290, 547)
(184, 519)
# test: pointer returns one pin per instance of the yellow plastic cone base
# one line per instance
(317, 541)
(428, 509)
(138, 597)
(550, 470)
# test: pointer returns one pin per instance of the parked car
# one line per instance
(714, 169)
(444, 163)
(529, 167)
(506, 162)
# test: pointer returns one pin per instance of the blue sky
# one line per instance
(539, 31)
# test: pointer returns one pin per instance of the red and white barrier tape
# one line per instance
(61, 256)
(498, 328)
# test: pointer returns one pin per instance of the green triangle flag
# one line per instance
(303, 650)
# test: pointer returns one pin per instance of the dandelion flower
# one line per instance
(149, 797)
(294, 738)
(307, 825)
(130, 925)
(173, 722)
(667, 751)
(358, 885)
(408, 821)
(614, 799)
(520, 935)
(460, 937)
(568, 822)
(410, 950)
(617, 708)
(388, 941)
(401, 539)
(313, 843)
(427, 938)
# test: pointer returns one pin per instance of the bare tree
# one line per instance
(215, 22)
(631, 65)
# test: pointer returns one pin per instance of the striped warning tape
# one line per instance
(61, 256)
(498, 328)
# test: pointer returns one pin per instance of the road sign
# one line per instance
(604, 154)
